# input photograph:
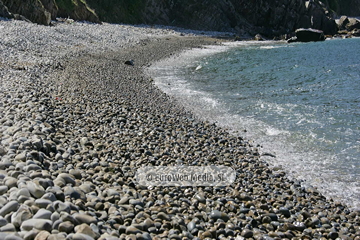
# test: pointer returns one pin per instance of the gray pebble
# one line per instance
(36, 190)
(66, 226)
(22, 214)
(86, 229)
(8, 228)
(81, 236)
(43, 214)
(9, 207)
(84, 218)
(3, 221)
(13, 237)
(132, 230)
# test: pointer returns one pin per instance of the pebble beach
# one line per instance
(76, 123)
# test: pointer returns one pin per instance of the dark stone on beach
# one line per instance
(284, 211)
(163, 216)
(269, 154)
(246, 233)
(333, 235)
(129, 62)
(216, 214)
(309, 35)
(244, 210)
(132, 230)
(200, 198)
(148, 223)
(272, 216)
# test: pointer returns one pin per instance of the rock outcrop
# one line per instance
(4, 11)
(267, 17)
(349, 7)
(51, 7)
(320, 18)
(31, 9)
(77, 10)
(348, 23)
(43, 11)
(348, 26)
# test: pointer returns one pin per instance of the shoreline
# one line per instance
(76, 126)
(207, 106)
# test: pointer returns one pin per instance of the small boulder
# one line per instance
(352, 24)
(309, 35)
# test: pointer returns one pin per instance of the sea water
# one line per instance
(298, 101)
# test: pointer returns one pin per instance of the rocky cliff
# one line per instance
(347, 7)
(267, 17)
(43, 11)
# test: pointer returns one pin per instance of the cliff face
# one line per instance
(31, 9)
(42, 11)
(267, 17)
(75, 9)
(352, 8)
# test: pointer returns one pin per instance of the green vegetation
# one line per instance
(333, 5)
(66, 5)
(344, 7)
(126, 11)
(76, 9)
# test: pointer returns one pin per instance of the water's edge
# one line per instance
(205, 107)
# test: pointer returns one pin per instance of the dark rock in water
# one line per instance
(130, 62)
(309, 35)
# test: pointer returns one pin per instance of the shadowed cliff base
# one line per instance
(268, 18)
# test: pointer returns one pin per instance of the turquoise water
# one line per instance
(300, 102)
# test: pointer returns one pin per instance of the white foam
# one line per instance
(312, 166)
